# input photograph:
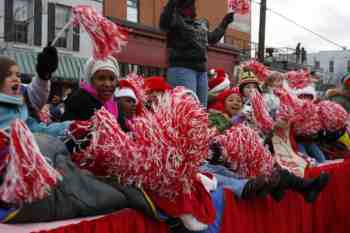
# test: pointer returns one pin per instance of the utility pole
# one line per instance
(262, 28)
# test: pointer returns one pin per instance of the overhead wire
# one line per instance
(302, 26)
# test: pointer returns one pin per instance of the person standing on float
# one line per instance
(187, 44)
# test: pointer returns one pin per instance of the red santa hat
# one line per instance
(219, 82)
(156, 83)
(219, 103)
(127, 89)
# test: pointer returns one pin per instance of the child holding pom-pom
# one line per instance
(54, 172)
(249, 159)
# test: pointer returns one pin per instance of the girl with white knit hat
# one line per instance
(96, 90)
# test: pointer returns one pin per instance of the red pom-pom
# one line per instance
(299, 79)
(307, 120)
(333, 116)
(258, 69)
(245, 153)
(239, 6)
(164, 151)
(106, 36)
(260, 114)
(28, 177)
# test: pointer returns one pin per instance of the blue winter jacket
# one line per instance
(14, 108)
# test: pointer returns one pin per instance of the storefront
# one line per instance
(145, 52)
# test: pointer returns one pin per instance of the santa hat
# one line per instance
(130, 90)
(220, 82)
(156, 83)
(219, 103)
(309, 91)
(125, 92)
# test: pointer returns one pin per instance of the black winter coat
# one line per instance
(78, 194)
(188, 39)
(80, 106)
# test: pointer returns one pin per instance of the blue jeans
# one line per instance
(191, 79)
(226, 178)
(313, 151)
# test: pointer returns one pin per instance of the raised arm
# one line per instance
(216, 35)
(38, 91)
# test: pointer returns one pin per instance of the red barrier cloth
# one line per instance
(329, 214)
(123, 221)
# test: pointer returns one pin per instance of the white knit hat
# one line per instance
(94, 65)
(125, 92)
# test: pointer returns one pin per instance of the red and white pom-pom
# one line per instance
(28, 177)
(333, 116)
(259, 69)
(289, 104)
(241, 7)
(164, 152)
(4, 150)
(105, 137)
(106, 36)
(307, 120)
(180, 127)
(245, 152)
(80, 129)
(299, 79)
(261, 116)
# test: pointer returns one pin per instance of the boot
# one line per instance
(276, 186)
(309, 188)
(255, 187)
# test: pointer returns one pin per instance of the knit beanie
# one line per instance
(94, 65)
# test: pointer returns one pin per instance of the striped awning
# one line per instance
(69, 67)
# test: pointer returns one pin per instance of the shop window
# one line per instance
(132, 11)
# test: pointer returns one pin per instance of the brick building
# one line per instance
(146, 50)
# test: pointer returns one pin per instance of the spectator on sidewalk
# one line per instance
(303, 56)
(297, 53)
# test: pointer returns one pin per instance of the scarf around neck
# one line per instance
(110, 105)
(8, 99)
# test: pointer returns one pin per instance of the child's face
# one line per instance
(105, 83)
(277, 83)
(233, 104)
(12, 82)
(128, 106)
(249, 89)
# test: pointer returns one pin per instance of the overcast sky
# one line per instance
(330, 18)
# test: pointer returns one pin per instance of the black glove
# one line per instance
(47, 62)
(217, 152)
(229, 18)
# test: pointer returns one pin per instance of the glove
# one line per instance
(229, 18)
(47, 62)
(216, 151)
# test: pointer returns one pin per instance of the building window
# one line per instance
(22, 17)
(132, 11)
(331, 66)
(62, 16)
(317, 65)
